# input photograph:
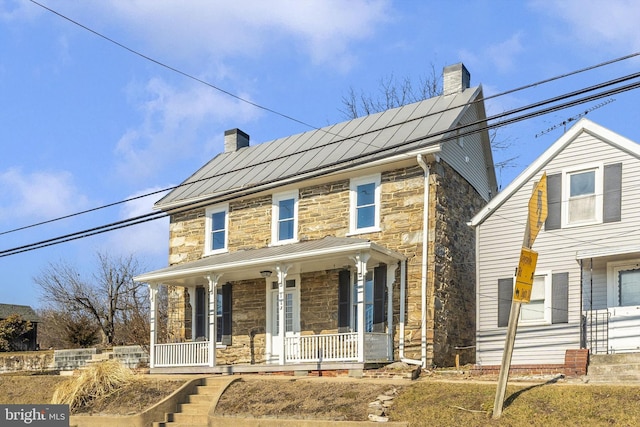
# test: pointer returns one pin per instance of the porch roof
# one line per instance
(609, 252)
(314, 255)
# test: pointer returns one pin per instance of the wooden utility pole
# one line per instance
(524, 283)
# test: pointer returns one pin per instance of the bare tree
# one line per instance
(393, 93)
(109, 298)
(63, 329)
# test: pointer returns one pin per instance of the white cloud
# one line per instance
(502, 54)
(598, 24)
(144, 239)
(172, 120)
(323, 29)
(38, 195)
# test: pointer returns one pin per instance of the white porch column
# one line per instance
(192, 304)
(361, 268)
(391, 277)
(213, 284)
(282, 280)
(153, 320)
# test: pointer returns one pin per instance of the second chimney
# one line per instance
(456, 78)
(235, 139)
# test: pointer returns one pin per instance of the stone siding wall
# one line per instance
(453, 257)
(323, 210)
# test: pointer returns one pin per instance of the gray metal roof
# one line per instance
(365, 139)
(312, 255)
(24, 311)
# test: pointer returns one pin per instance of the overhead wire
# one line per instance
(158, 215)
(350, 162)
(229, 93)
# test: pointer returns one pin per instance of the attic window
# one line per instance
(583, 196)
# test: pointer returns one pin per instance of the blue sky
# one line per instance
(84, 122)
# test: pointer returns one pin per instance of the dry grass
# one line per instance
(428, 403)
(95, 382)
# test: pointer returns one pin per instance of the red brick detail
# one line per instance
(575, 365)
(576, 362)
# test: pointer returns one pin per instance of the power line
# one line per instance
(175, 70)
(339, 165)
(357, 136)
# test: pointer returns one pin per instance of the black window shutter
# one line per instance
(560, 298)
(505, 295)
(612, 197)
(201, 313)
(379, 293)
(344, 288)
(554, 202)
(226, 314)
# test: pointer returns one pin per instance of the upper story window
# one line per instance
(583, 195)
(216, 224)
(285, 218)
(365, 204)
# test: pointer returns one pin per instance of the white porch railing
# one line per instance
(181, 354)
(300, 349)
(335, 347)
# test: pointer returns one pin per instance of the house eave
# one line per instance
(250, 268)
(225, 196)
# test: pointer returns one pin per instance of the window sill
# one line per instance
(364, 231)
(216, 252)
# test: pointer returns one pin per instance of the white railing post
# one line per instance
(391, 278)
(361, 266)
(153, 310)
(282, 277)
(213, 279)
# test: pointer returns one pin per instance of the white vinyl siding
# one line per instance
(469, 158)
(499, 239)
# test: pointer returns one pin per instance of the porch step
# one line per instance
(614, 368)
(195, 411)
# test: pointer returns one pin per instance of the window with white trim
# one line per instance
(284, 218)
(624, 283)
(216, 225)
(538, 310)
(365, 204)
(582, 196)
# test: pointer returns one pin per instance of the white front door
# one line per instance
(291, 315)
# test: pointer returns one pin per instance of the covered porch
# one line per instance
(314, 305)
(610, 300)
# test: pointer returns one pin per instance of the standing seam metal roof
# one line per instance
(402, 128)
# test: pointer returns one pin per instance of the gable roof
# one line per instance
(583, 125)
(24, 311)
(414, 128)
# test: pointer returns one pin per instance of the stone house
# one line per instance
(586, 290)
(339, 248)
(29, 340)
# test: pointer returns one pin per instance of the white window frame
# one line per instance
(566, 189)
(353, 196)
(208, 229)
(548, 307)
(613, 268)
(275, 214)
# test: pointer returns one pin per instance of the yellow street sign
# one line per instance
(524, 277)
(537, 208)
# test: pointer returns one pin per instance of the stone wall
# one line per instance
(32, 361)
(323, 210)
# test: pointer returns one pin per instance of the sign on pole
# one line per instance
(524, 276)
(537, 210)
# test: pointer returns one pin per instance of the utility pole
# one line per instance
(537, 214)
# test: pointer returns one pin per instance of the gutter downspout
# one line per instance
(423, 296)
(425, 256)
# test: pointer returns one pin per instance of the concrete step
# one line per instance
(195, 411)
(614, 368)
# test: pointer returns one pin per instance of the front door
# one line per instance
(291, 315)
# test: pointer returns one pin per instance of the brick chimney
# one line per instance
(456, 78)
(235, 139)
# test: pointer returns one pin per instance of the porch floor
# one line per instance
(354, 369)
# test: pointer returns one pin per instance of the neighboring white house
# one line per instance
(586, 291)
